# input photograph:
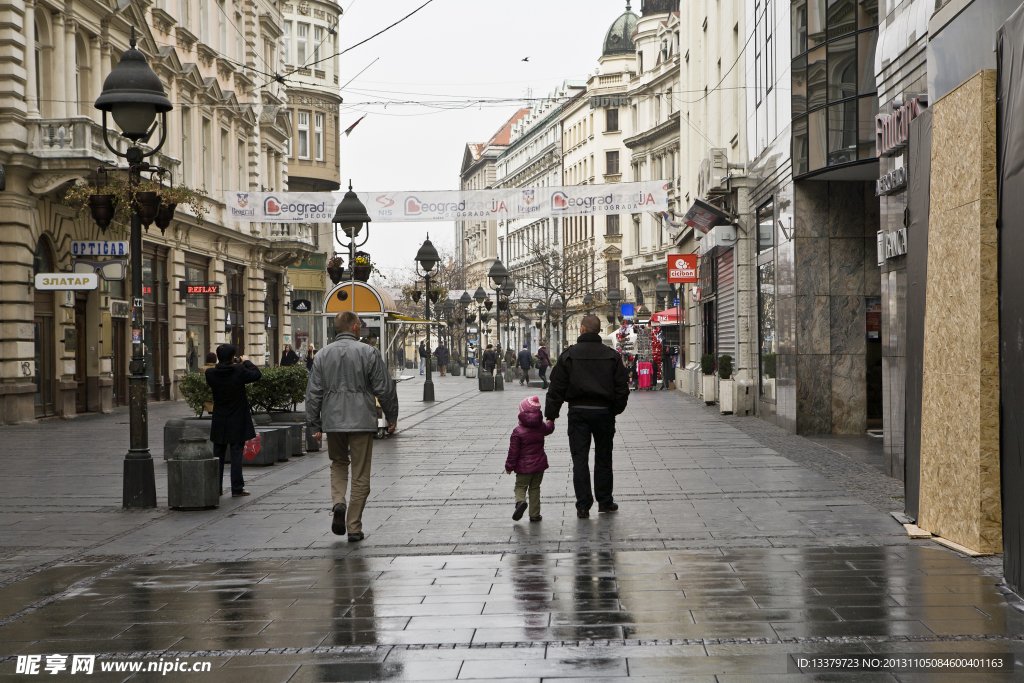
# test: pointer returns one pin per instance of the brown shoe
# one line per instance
(241, 493)
(357, 536)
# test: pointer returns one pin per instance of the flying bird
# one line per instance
(526, 59)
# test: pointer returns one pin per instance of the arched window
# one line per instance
(42, 54)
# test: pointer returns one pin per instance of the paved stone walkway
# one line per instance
(724, 557)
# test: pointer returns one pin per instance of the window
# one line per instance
(204, 22)
(636, 233)
(611, 119)
(243, 176)
(302, 44)
(611, 225)
(303, 134)
(769, 46)
(657, 109)
(222, 27)
(636, 116)
(288, 140)
(240, 38)
(288, 42)
(318, 136)
(612, 275)
(766, 328)
(186, 13)
(225, 167)
(766, 226)
(207, 151)
(318, 38)
(186, 141)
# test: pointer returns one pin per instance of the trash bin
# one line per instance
(176, 428)
(193, 475)
(265, 449)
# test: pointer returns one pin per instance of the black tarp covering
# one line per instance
(918, 202)
(1010, 149)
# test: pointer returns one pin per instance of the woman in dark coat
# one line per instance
(232, 417)
(310, 353)
(490, 359)
(289, 357)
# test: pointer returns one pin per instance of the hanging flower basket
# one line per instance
(335, 268)
(362, 273)
(503, 305)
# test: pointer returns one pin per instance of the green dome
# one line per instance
(619, 40)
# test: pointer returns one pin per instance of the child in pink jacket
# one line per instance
(526, 457)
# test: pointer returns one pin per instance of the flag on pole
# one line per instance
(348, 131)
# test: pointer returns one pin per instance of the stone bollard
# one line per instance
(265, 449)
(294, 436)
(193, 475)
(175, 429)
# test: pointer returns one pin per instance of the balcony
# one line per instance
(73, 148)
(290, 241)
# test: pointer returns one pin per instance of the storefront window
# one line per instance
(307, 328)
(766, 226)
(767, 327)
(235, 317)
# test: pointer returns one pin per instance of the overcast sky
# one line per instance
(451, 49)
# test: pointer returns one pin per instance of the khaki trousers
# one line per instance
(530, 482)
(355, 449)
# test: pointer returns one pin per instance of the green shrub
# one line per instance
(279, 389)
(725, 366)
(196, 391)
(707, 364)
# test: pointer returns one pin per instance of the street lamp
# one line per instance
(350, 217)
(499, 276)
(448, 308)
(507, 289)
(133, 95)
(558, 308)
(614, 297)
(426, 260)
(465, 300)
(542, 311)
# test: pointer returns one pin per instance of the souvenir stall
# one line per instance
(641, 345)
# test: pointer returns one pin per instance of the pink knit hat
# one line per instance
(528, 404)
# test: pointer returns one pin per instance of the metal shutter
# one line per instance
(726, 301)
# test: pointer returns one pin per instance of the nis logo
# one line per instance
(384, 204)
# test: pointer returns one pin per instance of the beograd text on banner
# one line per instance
(454, 205)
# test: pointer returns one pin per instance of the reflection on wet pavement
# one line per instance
(528, 616)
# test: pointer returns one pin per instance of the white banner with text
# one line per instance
(456, 205)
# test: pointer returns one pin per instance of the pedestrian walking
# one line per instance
(591, 378)
(424, 356)
(441, 353)
(490, 359)
(346, 378)
(525, 362)
(543, 363)
(289, 357)
(526, 457)
(310, 354)
(510, 360)
(231, 425)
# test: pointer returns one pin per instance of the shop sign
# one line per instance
(893, 130)
(703, 216)
(187, 289)
(119, 309)
(609, 101)
(892, 182)
(302, 306)
(314, 261)
(96, 248)
(682, 268)
(69, 281)
(627, 310)
(891, 244)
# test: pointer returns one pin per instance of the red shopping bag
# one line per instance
(252, 447)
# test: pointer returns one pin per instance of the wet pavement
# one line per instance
(724, 557)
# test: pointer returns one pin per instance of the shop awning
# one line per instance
(671, 316)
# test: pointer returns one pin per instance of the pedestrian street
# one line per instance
(724, 558)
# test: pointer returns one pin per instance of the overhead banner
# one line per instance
(456, 205)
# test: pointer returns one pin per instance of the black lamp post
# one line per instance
(614, 297)
(465, 300)
(507, 290)
(426, 260)
(134, 95)
(666, 290)
(448, 308)
(558, 308)
(350, 217)
(542, 311)
(498, 275)
(480, 295)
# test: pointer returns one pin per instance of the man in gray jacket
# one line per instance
(346, 377)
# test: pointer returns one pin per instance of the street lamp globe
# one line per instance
(541, 308)
(663, 288)
(480, 295)
(509, 286)
(133, 94)
(427, 256)
(466, 299)
(588, 300)
(614, 297)
(350, 214)
(498, 274)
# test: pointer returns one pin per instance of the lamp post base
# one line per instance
(139, 483)
(428, 391)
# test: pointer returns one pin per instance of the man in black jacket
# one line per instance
(490, 359)
(441, 353)
(232, 424)
(525, 362)
(591, 377)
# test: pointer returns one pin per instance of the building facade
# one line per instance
(65, 352)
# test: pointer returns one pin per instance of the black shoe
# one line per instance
(583, 514)
(338, 523)
(520, 509)
(357, 536)
(537, 518)
(610, 507)
(239, 494)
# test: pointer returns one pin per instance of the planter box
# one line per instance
(175, 430)
(486, 381)
(455, 370)
(270, 445)
(292, 436)
(708, 383)
(727, 400)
